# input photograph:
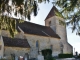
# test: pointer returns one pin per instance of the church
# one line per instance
(33, 38)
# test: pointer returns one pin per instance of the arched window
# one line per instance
(49, 23)
(61, 47)
(37, 46)
(51, 47)
(26, 57)
(37, 43)
(0, 47)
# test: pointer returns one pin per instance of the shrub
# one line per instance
(49, 58)
(47, 53)
(79, 56)
(65, 55)
(2, 59)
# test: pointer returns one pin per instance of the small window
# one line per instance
(50, 23)
(61, 23)
(51, 47)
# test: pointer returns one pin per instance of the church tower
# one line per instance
(57, 23)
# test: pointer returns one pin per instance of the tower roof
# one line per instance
(52, 12)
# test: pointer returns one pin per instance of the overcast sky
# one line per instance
(73, 39)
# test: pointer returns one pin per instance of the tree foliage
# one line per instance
(70, 9)
(22, 9)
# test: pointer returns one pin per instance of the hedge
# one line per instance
(65, 55)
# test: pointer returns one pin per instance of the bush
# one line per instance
(3, 59)
(79, 56)
(47, 53)
(49, 58)
(65, 55)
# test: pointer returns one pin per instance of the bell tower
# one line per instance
(57, 23)
(51, 19)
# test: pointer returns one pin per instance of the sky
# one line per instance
(44, 9)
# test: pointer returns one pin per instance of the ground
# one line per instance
(69, 59)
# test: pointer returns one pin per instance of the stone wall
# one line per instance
(1, 47)
(55, 46)
(61, 31)
(69, 48)
(44, 43)
(51, 22)
(18, 51)
(4, 33)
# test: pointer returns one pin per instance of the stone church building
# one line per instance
(32, 38)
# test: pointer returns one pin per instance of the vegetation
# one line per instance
(2, 59)
(79, 56)
(47, 53)
(65, 55)
(70, 10)
(18, 8)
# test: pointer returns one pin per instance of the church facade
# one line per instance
(32, 38)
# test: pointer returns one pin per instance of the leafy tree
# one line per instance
(18, 8)
(70, 10)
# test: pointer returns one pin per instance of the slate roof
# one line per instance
(15, 42)
(52, 12)
(35, 29)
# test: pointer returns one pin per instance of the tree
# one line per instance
(24, 8)
(70, 9)
(18, 8)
